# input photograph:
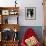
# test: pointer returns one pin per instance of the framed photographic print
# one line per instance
(30, 13)
(5, 12)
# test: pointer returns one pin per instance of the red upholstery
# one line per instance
(29, 33)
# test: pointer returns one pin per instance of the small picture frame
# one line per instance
(30, 13)
(5, 12)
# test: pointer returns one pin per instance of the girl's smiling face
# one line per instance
(31, 41)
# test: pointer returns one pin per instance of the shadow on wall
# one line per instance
(37, 29)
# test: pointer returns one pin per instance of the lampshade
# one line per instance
(15, 30)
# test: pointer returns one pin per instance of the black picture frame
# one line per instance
(30, 13)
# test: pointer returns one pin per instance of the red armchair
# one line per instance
(30, 34)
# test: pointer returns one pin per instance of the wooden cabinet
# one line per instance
(9, 25)
(6, 12)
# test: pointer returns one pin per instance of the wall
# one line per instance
(27, 3)
(39, 13)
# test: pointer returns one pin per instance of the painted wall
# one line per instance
(39, 13)
(26, 3)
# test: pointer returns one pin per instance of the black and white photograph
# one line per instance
(30, 13)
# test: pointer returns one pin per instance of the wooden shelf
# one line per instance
(11, 26)
(9, 9)
(4, 13)
(9, 43)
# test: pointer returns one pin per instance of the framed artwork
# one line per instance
(30, 13)
(5, 12)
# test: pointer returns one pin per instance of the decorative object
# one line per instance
(15, 3)
(15, 30)
(30, 13)
(5, 12)
(6, 21)
(7, 34)
(13, 12)
(15, 37)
